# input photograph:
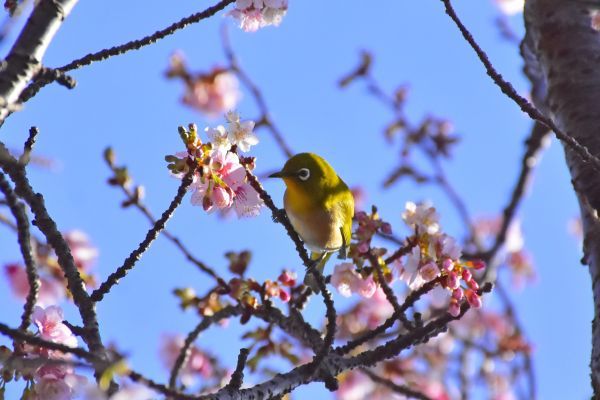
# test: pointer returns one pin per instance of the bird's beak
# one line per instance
(280, 174)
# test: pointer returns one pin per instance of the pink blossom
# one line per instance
(84, 253)
(345, 279)
(409, 272)
(51, 291)
(247, 202)
(213, 93)
(51, 388)
(51, 327)
(224, 185)
(366, 287)
(240, 132)
(429, 271)
(422, 217)
(256, 14)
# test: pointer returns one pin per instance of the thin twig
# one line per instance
(151, 235)
(411, 299)
(522, 102)
(136, 201)
(33, 88)
(265, 118)
(17, 334)
(237, 378)
(24, 237)
(400, 389)
(206, 322)
(389, 293)
(528, 162)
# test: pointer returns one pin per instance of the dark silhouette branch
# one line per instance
(151, 235)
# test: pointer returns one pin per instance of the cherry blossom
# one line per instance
(240, 132)
(347, 281)
(422, 217)
(255, 14)
(49, 322)
(220, 182)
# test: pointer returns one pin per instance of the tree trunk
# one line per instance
(562, 54)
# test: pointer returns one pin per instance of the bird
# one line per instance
(320, 207)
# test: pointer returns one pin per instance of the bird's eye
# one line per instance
(303, 174)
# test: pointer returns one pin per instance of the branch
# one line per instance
(126, 47)
(24, 238)
(523, 103)
(25, 58)
(237, 378)
(65, 259)
(528, 162)
(17, 334)
(206, 322)
(265, 118)
(152, 234)
(401, 389)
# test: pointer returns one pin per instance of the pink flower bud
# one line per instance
(466, 275)
(473, 298)
(473, 284)
(448, 264)
(284, 296)
(221, 197)
(287, 278)
(452, 281)
(454, 308)
(457, 294)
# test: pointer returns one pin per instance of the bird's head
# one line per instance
(307, 172)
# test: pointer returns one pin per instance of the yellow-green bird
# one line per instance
(320, 207)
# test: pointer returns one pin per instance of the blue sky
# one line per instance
(127, 103)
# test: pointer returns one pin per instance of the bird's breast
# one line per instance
(318, 227)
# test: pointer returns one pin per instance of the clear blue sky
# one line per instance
(126, 102)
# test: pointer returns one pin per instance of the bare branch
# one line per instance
(151, 235)
(24, 237)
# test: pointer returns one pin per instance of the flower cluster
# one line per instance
(437, 255)
(220, 181)
(212, 93)
(368, 226)
(242, 289)
(255, 14)
(347, 280)
(56, 381)
(365, 315)
(52, 286)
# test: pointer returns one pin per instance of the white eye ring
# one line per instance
(303, 174)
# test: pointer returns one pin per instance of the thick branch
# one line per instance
(25, 57)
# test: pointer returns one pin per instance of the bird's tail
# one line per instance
(309, 279)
